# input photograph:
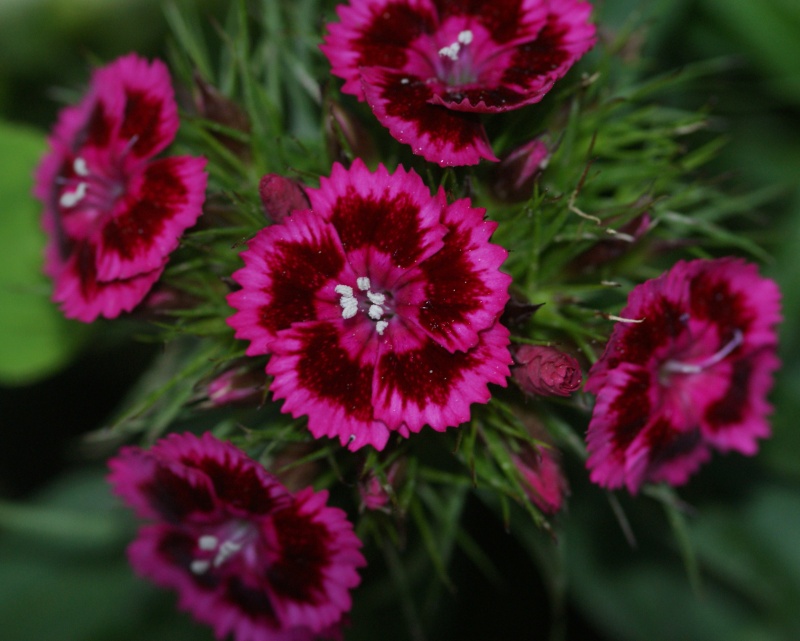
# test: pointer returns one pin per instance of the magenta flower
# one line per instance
(112, 213)
(427, 68)
(244, 555)
(692, 376)
(379, 306)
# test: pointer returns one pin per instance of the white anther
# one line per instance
(451, 51)
(404, 81)
(226, 551)
(207, 542)
(72, 198)
(344, 290)
(377, 299)
(80, 167)
(380, 326)
(375, 312)
(349, 306)
(199, 566)
(465, 37)
(363, 283)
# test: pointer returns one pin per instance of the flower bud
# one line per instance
(281, 196)
(514, 177)
(347, 137)
(239, 385)
(546, 371)
(211, 104)
(541, 471)
(374, 493)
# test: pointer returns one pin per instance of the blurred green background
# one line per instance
(62, 571)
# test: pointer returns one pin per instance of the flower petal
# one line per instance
(440, 135)
(321, 377)
(430, 385)
(461, 290)
(142, 104)
(374, 33)
(148, 223)
(83, 297)
(391, 214)
(286, 268)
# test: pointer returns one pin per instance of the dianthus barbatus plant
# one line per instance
(358, 343)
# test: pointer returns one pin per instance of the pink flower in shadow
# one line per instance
(691, 377)
(245, 556)
(113, 213)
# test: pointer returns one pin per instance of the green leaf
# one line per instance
(35, 339)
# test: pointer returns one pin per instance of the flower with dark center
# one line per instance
(245, 556)
(428, 68)
(689, 375)
(112, 213)
(379, 307)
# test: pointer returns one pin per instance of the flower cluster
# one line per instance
(377, 303)
(378, 306)
(688, 375)
(245, 555)
(113, 214)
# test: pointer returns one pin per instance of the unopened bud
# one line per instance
(541, 471)
(239, 385)
(514, 176)
(546, 371)
(281, 196)
(347, 137)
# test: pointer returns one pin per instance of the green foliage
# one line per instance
(35, 340)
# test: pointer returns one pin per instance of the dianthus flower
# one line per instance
(379, 307)
(245, 556)
(112, 213)
(428, 68)
(692, 376)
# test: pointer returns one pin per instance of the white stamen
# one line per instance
(226, 551)
(72, 198)
(207, 542)
(375, 312)
(377, 299)
(363, 283)
(451, 51)
(404, 81)
(380, 326)
(199, 566)
(344, 290)
(80, 167)
(696, 368)
(349, 306)
(465, 37)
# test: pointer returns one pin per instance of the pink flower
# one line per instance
(546, 371)
(692, 376)
(541, 470)
(112, 213)
(427, 68)
(245, 556)
(379, 306)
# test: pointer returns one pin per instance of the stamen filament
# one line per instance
(679, 367)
